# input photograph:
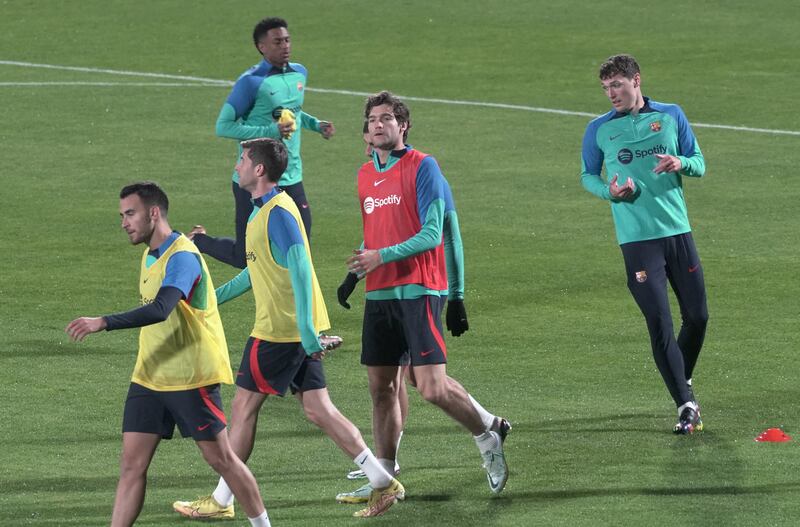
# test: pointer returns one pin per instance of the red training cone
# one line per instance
(773, 435)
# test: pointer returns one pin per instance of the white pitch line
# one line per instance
(204, 81)
(115, 72)
(81, 83)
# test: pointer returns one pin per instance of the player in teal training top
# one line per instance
(253, 110)
(647, 147)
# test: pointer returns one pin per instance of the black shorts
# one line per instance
(197, 412)
(398, 332)
(272, 367)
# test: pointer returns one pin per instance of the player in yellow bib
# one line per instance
(183, 357)
(284, 348)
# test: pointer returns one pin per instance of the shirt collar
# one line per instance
(272, 69)
(259, 202)
(164, 246)
(644, 109)
(396, 154)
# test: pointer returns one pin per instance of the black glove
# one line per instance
(346, 289)
(456, 317)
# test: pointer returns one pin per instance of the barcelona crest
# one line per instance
(655, 126)
(641, 276)
(300, 88)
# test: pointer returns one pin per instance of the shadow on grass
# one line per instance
(60, 484)
(558, 425)
(65, 348)
(683, 490)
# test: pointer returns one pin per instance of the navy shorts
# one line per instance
(197, 412)
(274, 367)
(399, 332)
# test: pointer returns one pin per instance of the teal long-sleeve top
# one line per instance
(253, 106)
(627, 144)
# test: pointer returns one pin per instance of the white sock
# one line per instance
(486, 417)
(396, 452)
(223, 494)
(260, 521)
(375, 470)
(487, 441)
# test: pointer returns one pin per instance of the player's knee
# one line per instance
(697, 319)
(314, 415)
(433, 392)
(219, 460)
(383, 395)
(132, 467)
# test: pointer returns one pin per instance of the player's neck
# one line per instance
(383, 155)
(160, 235)
(638, 105)
(263, 188)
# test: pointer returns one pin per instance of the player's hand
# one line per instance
(667, 163)
(80, 327)
(326, 129)
(330, 342)
(346, 289)
(364, 261)
(625, 192)
(456, 317)
(197, 229)
(286, 129)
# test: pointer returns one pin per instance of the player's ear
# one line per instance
(637, 80)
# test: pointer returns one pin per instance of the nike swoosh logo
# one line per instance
(614, 137)
(145, 280)
(376, 183)
(426, 353)
(693, 269)
(273, 92)
(203, 427)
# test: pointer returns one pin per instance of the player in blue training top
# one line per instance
(647, 147)
(252, 110)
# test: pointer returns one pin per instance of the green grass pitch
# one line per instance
(556, 344)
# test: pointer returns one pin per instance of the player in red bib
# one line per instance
(402, 195)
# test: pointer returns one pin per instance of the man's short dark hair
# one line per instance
(265, 25)
(622, 64)
(268, 152)
(399, 108)
(150, 193)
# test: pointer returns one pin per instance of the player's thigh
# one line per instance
(198, 412)
(422, 327)
(269, 367)
(686, 277)
(383, 340)
(645, 268)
